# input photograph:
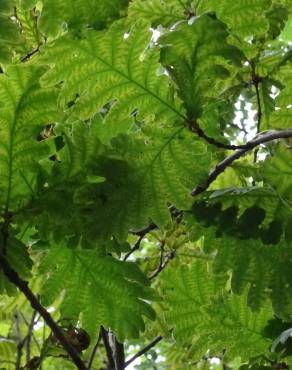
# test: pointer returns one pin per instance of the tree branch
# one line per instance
(118, 354)
(163, 261)
(144, 350)
(141, 234)
(28, 326)
(109, 354)
(30, 54)
(221, 166)
(93, 353)
(194, 127)
(22, 285)
(144, 231)
(134, 248)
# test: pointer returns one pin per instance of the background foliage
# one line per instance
(113, 115)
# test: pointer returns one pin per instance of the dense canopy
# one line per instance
(145, 184)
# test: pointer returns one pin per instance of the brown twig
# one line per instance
(194, 127)
(137, 244)
(93, 353)
(144, 231)
(22, 285)
(163, 263)
(26, 57)
(109, 354)
(221, 166)
(141, 233)
(28, 325)
(144, 350)
(134, 248)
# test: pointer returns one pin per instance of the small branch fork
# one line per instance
(221, 166)
(165, 258)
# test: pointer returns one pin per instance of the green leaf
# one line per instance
(19, 259)
(103, 290)
(158, 12)
(109, 68)
(200, 61)
(57, 15)
(143, 174)
(243, 17)
(206, 316)
(277, 169)
(25, 109)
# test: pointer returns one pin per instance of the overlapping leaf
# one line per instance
(245, 18)
(136, 180)
(202, 64)
(281, 118)
(57, 16)
(114, 67)
(10, 36)
(158, 12)
(277, 170)
(204, 315)
(103, 290)
(258, 256)
(25, 109)
(18, 257)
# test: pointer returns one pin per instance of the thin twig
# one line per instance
(256, 82)
(29, 335)
(240, 128)
(144, 231)
(141, 234)
(105, 338)
(93, 353)
(30, 54)
(162, 264)
(34, 323)
(194, 127)
(134, 248)
(22, 285)
(20, 342)
(144, 350)
(221, 166)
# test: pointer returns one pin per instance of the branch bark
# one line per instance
(105, 338)
(119, 354)
(194, 127)
(221, 166)
(135, 247)
(22, 285)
